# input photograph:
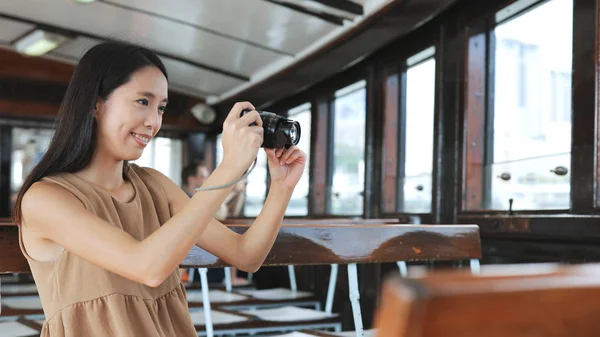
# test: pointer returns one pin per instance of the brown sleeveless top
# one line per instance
(81, 299)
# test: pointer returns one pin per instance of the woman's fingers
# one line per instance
(286, 154)
(236, 110)
(293, 157)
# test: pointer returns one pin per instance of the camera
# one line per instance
(279, 132)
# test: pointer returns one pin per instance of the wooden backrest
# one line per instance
(317, 243)
(337, 221)
(524, 301)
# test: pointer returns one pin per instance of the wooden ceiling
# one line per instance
(33, 87)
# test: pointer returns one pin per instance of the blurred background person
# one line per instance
(193, 176)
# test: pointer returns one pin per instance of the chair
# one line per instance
(503, 300)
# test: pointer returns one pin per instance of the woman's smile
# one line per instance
(143, 140)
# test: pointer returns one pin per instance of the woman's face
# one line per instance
(132, 114)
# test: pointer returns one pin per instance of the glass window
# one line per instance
(219, 150)
(28, 147)
(348, 179)
(164, 155)
(299, 202)
(256, 187)
(531, 137)
(415, 182)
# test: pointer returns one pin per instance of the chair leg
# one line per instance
(206, 301)
(331, 288)
(292, 275)
(354, 299)
(403, 268)
(475, 266)
(228, 279)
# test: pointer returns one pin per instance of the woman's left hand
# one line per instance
(286, 165)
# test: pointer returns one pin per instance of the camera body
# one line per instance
(279, 132)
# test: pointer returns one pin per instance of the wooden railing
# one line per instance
(320, 243)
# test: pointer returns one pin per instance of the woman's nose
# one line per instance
(153, 122)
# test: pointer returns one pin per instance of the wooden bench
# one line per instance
(314, 244)
(529, 300)
(317, 244)
(13, 261)
(333, 244)
(251, 299)
(251, 286)
(317, 221)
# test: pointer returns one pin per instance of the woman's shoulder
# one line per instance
(69, 186)
(52, 188)
(62, 181)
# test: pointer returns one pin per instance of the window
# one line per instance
(347, 185)
(299, 202)
(219, 151)
(415, 189)
(256, 188)
(561, 96)
(530, 131)
(28, 147)
(164, 155)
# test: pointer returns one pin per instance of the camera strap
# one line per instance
(219, 187)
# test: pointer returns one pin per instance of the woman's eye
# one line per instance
(143, 101)
(162, 108)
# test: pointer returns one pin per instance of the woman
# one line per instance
(104, 238)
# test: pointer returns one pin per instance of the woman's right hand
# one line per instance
(241, 141)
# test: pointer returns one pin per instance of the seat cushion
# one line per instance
(289, 314)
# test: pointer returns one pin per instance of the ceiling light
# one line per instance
(39, 43)
(204, 113)
(84, 1)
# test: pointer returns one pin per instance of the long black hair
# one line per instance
(100, 71)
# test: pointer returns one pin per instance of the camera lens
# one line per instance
(294, 133)
(279, 132)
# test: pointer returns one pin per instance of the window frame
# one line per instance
(399, 65)
(478, 137)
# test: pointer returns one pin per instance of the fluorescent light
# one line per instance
(39, 43)
(84, 1)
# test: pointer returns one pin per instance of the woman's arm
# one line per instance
(56, 215)
(247, 251)
(286, 168)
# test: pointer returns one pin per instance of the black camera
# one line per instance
(279, 132)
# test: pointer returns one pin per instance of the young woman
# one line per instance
(104, 238)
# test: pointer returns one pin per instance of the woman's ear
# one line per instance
(99, 107)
